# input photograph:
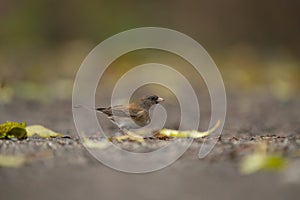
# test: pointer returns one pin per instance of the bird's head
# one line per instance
(151, 100)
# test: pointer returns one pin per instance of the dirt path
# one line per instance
(60, 168)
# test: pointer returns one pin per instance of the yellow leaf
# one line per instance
(190, 134)
(11, 161)
(103, 144)
(129, 136)
(41, 131)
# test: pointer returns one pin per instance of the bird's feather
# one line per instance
(134, 115)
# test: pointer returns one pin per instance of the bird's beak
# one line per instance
(159, 100)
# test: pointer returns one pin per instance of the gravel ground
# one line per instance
(61, 168)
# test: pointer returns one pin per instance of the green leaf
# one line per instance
(9, 130)
(260, 160)
(190, 134)
(11, 161)
(41, 131)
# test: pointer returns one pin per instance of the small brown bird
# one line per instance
(132, 116)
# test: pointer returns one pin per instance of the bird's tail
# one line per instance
(107, 111)
(86, 107)
(101, 109)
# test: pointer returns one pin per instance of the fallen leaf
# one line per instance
(190, 134)
(9, 130)
(41, 131)
(12, 161)
(128, 136)
(103, 144)
(261, 160)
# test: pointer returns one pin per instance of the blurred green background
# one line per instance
(254, 43)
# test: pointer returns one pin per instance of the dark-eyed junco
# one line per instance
(132, 116)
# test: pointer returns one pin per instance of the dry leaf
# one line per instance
(41, 131)
(103, 144)
(190, 134)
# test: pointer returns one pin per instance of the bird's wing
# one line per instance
(121, 114)
(119, 111)
(137, 113)
(140, 116)
(123, 111)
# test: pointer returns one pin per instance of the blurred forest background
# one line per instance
(254, 43)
